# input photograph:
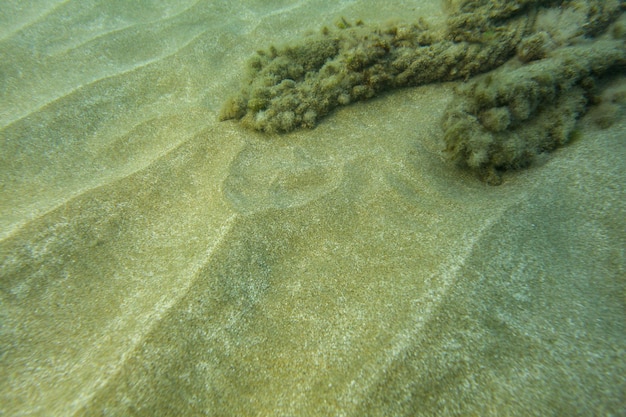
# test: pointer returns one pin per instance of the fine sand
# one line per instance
(157, 262)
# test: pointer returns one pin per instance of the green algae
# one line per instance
(293, 86)
(498, 122)
(503, 120)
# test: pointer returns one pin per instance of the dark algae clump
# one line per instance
(553, 51)
(295, 85)
(503, 119)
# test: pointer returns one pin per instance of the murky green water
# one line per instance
(155, 261)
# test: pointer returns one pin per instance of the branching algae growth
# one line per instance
(554, 51)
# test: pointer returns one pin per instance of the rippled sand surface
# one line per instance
(155, 261)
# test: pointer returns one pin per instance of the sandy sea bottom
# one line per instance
(155, 261)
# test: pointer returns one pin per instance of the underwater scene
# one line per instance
(313, 208)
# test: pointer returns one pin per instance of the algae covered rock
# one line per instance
(293, 86)
(500, 121)
(503, 119)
